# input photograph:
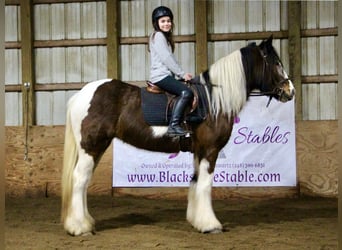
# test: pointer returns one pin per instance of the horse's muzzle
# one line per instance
(287, 95)
(287, 92)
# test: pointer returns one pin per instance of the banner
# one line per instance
(261, 152)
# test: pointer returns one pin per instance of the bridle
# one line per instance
(277, 91)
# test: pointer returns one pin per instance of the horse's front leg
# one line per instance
(200, 212)
(78, 220)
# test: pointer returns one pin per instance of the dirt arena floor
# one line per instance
(140, 223)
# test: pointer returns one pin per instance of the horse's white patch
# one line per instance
(159, 131)
(76, 104)
(291, 86)
(200, 212)
(204, 178)
(78, 220)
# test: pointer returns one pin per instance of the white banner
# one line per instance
(260, 152)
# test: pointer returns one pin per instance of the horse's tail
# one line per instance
(69, 162)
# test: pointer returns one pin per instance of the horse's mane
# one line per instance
(229, 85)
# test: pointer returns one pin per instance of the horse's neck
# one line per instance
(202, 78)
(248, 62)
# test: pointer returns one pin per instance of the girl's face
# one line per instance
(165, 23)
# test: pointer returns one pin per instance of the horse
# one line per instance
(109, 108)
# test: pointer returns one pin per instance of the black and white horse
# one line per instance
(108, 108)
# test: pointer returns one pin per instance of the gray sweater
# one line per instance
(163, 62)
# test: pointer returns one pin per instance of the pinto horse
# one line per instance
(108, 108)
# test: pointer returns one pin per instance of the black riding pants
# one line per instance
(175, 87)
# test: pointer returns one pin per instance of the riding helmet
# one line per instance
(160, 12)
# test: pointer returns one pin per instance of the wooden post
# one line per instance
(201, 31)
(113, 35)
(27, 60)
(2, 121)
(295, 52)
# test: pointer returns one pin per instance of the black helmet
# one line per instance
(160, 12)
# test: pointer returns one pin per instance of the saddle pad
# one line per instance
(154, 108)
(156, 113)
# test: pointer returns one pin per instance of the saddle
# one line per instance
(157, 104)
(154, 89)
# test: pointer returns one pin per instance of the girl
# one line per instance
(164, 67)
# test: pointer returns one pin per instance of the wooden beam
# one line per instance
(70, 43)
(27, 60)
(319, 79)
(258, 35)
(60, 86)
(47, 87)
(319, 32)
(113, 42)
(12, 45)
(64, 1)
(12, 2)
(144, 39)
(201, 31)
(17, 2)
(295, 52)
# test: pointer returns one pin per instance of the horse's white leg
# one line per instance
(200, 212)
(190, 212)
(78, 220)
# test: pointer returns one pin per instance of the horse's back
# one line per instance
(100, 89)
(86, 92)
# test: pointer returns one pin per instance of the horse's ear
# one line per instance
(270, 39)
(266, 45)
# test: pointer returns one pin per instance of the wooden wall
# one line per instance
(40, 173)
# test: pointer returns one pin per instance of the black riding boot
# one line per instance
(178, 114)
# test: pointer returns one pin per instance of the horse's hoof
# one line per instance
(82, 234)
(88, 233)
(213, 231)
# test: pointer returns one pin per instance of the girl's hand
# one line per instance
(187, 77)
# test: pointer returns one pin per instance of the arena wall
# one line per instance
(40, 173)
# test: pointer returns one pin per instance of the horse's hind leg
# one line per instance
(200, 212)
(78, 220)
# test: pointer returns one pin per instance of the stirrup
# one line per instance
(174, 131)
(187, 134)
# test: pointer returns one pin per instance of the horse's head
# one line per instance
(273, 80)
